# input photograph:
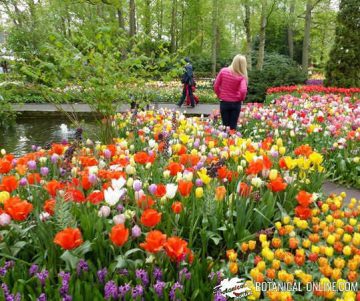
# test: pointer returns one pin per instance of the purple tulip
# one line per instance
(137, 185)
(199, 183)
(136, 231)
(31, 165)
(5, 219)
(152, 188)
(44, 171)
(107, 154)
(92, 178)
(23, 182)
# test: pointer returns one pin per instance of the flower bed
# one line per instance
(329, 124)
(96, 221)
(275, 92)
(315, 254)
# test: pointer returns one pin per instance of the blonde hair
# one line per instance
(238, 65)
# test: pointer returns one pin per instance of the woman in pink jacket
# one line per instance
(231, 88)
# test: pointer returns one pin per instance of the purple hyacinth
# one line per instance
(137, 291)
(82, 266)
(219, 297)
(42, 297)
(174, 288)
(8, 296)
(184, 273)
(33, 269)
(157, 273)
(67, 298)
(3, 271)
(123, 289)
(9, 264)
(101, 274)
(64, 285)
(143, 276)
(110, 290)
(42, 276)
(159, 288)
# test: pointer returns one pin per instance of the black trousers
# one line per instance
(182, 99)
(230, 112)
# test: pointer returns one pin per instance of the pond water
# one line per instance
(39, 131)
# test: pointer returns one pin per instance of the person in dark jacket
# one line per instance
(188, 82)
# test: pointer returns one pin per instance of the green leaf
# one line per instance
(131, 251)
(70, 260)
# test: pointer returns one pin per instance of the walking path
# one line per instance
(31, 109)
(330, 187)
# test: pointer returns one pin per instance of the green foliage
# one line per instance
(343, 68)
(7, 114)
(278, 70)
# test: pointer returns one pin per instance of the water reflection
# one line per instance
(39, 131)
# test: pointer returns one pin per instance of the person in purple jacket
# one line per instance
(231, 88)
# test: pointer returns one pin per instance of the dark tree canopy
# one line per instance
(343, 68)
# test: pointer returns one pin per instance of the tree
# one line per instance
(248, 33)
(310, 5)
(132, 18)
(214, 36)
(343, 68)
(291, 29)
(265, 14)
(173, 26)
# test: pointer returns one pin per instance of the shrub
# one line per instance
(278, 70)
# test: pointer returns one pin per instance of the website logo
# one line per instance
(233, 288)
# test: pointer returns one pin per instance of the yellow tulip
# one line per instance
(347, 250)
(4, 196)
(273, 174)
(199, 192)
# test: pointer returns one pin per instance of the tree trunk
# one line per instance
(291, 29)
(120, 17)
(147, 17)
(160, 13)
(132, 18)
(306, 42)
(263, 22)
(173, 26)
(248, 35)
(214, 37)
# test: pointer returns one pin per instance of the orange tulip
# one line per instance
(304, 198)
(176, 248)
(154, 241)
(174, 168)
(5, 166)
(220, 193)
(52, 187)
(277, 185)
(177, 207)
(95, 197)
(119, 235)
(69, 238)
(160, 190)
(150, 218)
(49, 206)
(17, 209)
(9, 183)
(141, 158)
(185, 188)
